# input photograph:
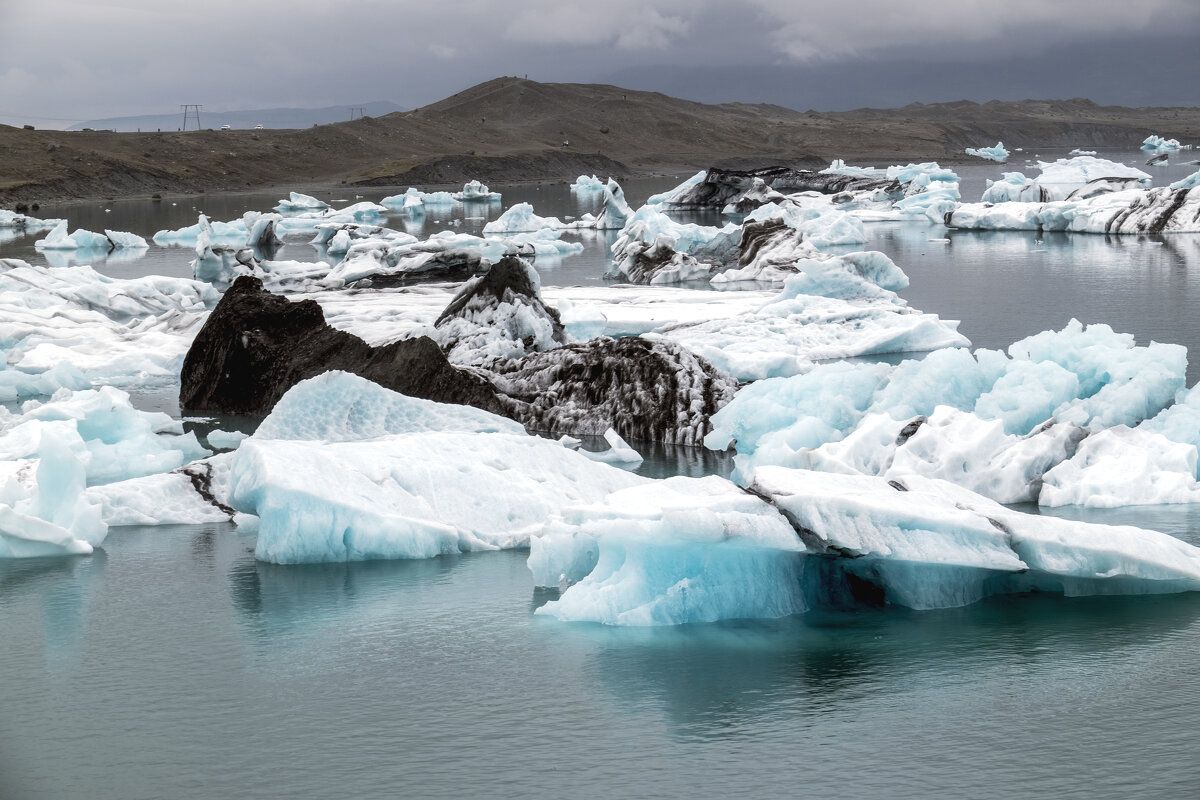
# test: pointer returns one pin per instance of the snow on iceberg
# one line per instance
(1190, 182)
(669, 552)
(994, 153)
(924, 543)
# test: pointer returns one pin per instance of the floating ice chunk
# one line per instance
(1157, 144)
(475, 192)
(669, 552)
(1122, 466)
(801, 325)
(116, 441)
(616, 211)
(16, 383)
(1040, 399)
(408, 496)
(618, 453)
(995, 153)
(297, 202)
(58, 239)
(518, 218)
(43, 509)
(1190, 182)
(225, 440)
(192, 494)
(1079, 152)
(14, 220)
(121, 332)
(588, 184)
(414, 200)
(1136, 211)
(926, 543)
(662, 197)
(840, 167)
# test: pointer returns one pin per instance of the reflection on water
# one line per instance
(186, 669)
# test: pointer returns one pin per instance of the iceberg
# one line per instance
(1190, 182)
(994, 153)
(400, 477)
(297, 203)
(925, 543)
(59, 239)
(43, 509)
(1126, 212)
(475, 192)
(1157, 144)
(414, 200)
(120, 332)
(112, 440)
(520, 218)
(619, 452)
(669, 552)
(991, 423)
(587, 184)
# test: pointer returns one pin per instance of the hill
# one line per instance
(509, 129)
(245, 119)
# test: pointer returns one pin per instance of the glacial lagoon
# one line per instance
(171, 663)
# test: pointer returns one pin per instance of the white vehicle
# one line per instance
(224, 127)
(258, 127)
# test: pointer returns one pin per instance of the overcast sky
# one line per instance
(64, 61)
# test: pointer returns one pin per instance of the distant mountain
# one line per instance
(267, 117)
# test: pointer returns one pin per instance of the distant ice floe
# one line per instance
(995, 153)
(1131, 211)
(587, 184)
(520, 218)
(475, 192)
(59, 239)
(1066, 179)
(1157, 144)
(1008, 427)
(299, 203)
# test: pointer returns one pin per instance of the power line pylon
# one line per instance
(190, 109)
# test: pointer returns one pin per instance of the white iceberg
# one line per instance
(995, 153)
(59, 239)
(297, 202)
(475, 192)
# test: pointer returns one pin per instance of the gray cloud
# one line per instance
(73, 60)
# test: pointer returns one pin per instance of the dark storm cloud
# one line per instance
(66, 61)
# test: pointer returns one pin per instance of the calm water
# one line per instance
(172, 664)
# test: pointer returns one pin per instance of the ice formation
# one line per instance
(59, 239)
(924, 543)
(994, 424)
(619, 452)
(1190, 182)
(475, 192)
(1131, 211)
(669, 552)
(396, 477)
(995, 153)
(1076, 178)
(1157, 144)
(299, 203)
(834, 308)
(587, 184)
(414, 200)
(73, 324)
(43, 509)
(520, 218)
